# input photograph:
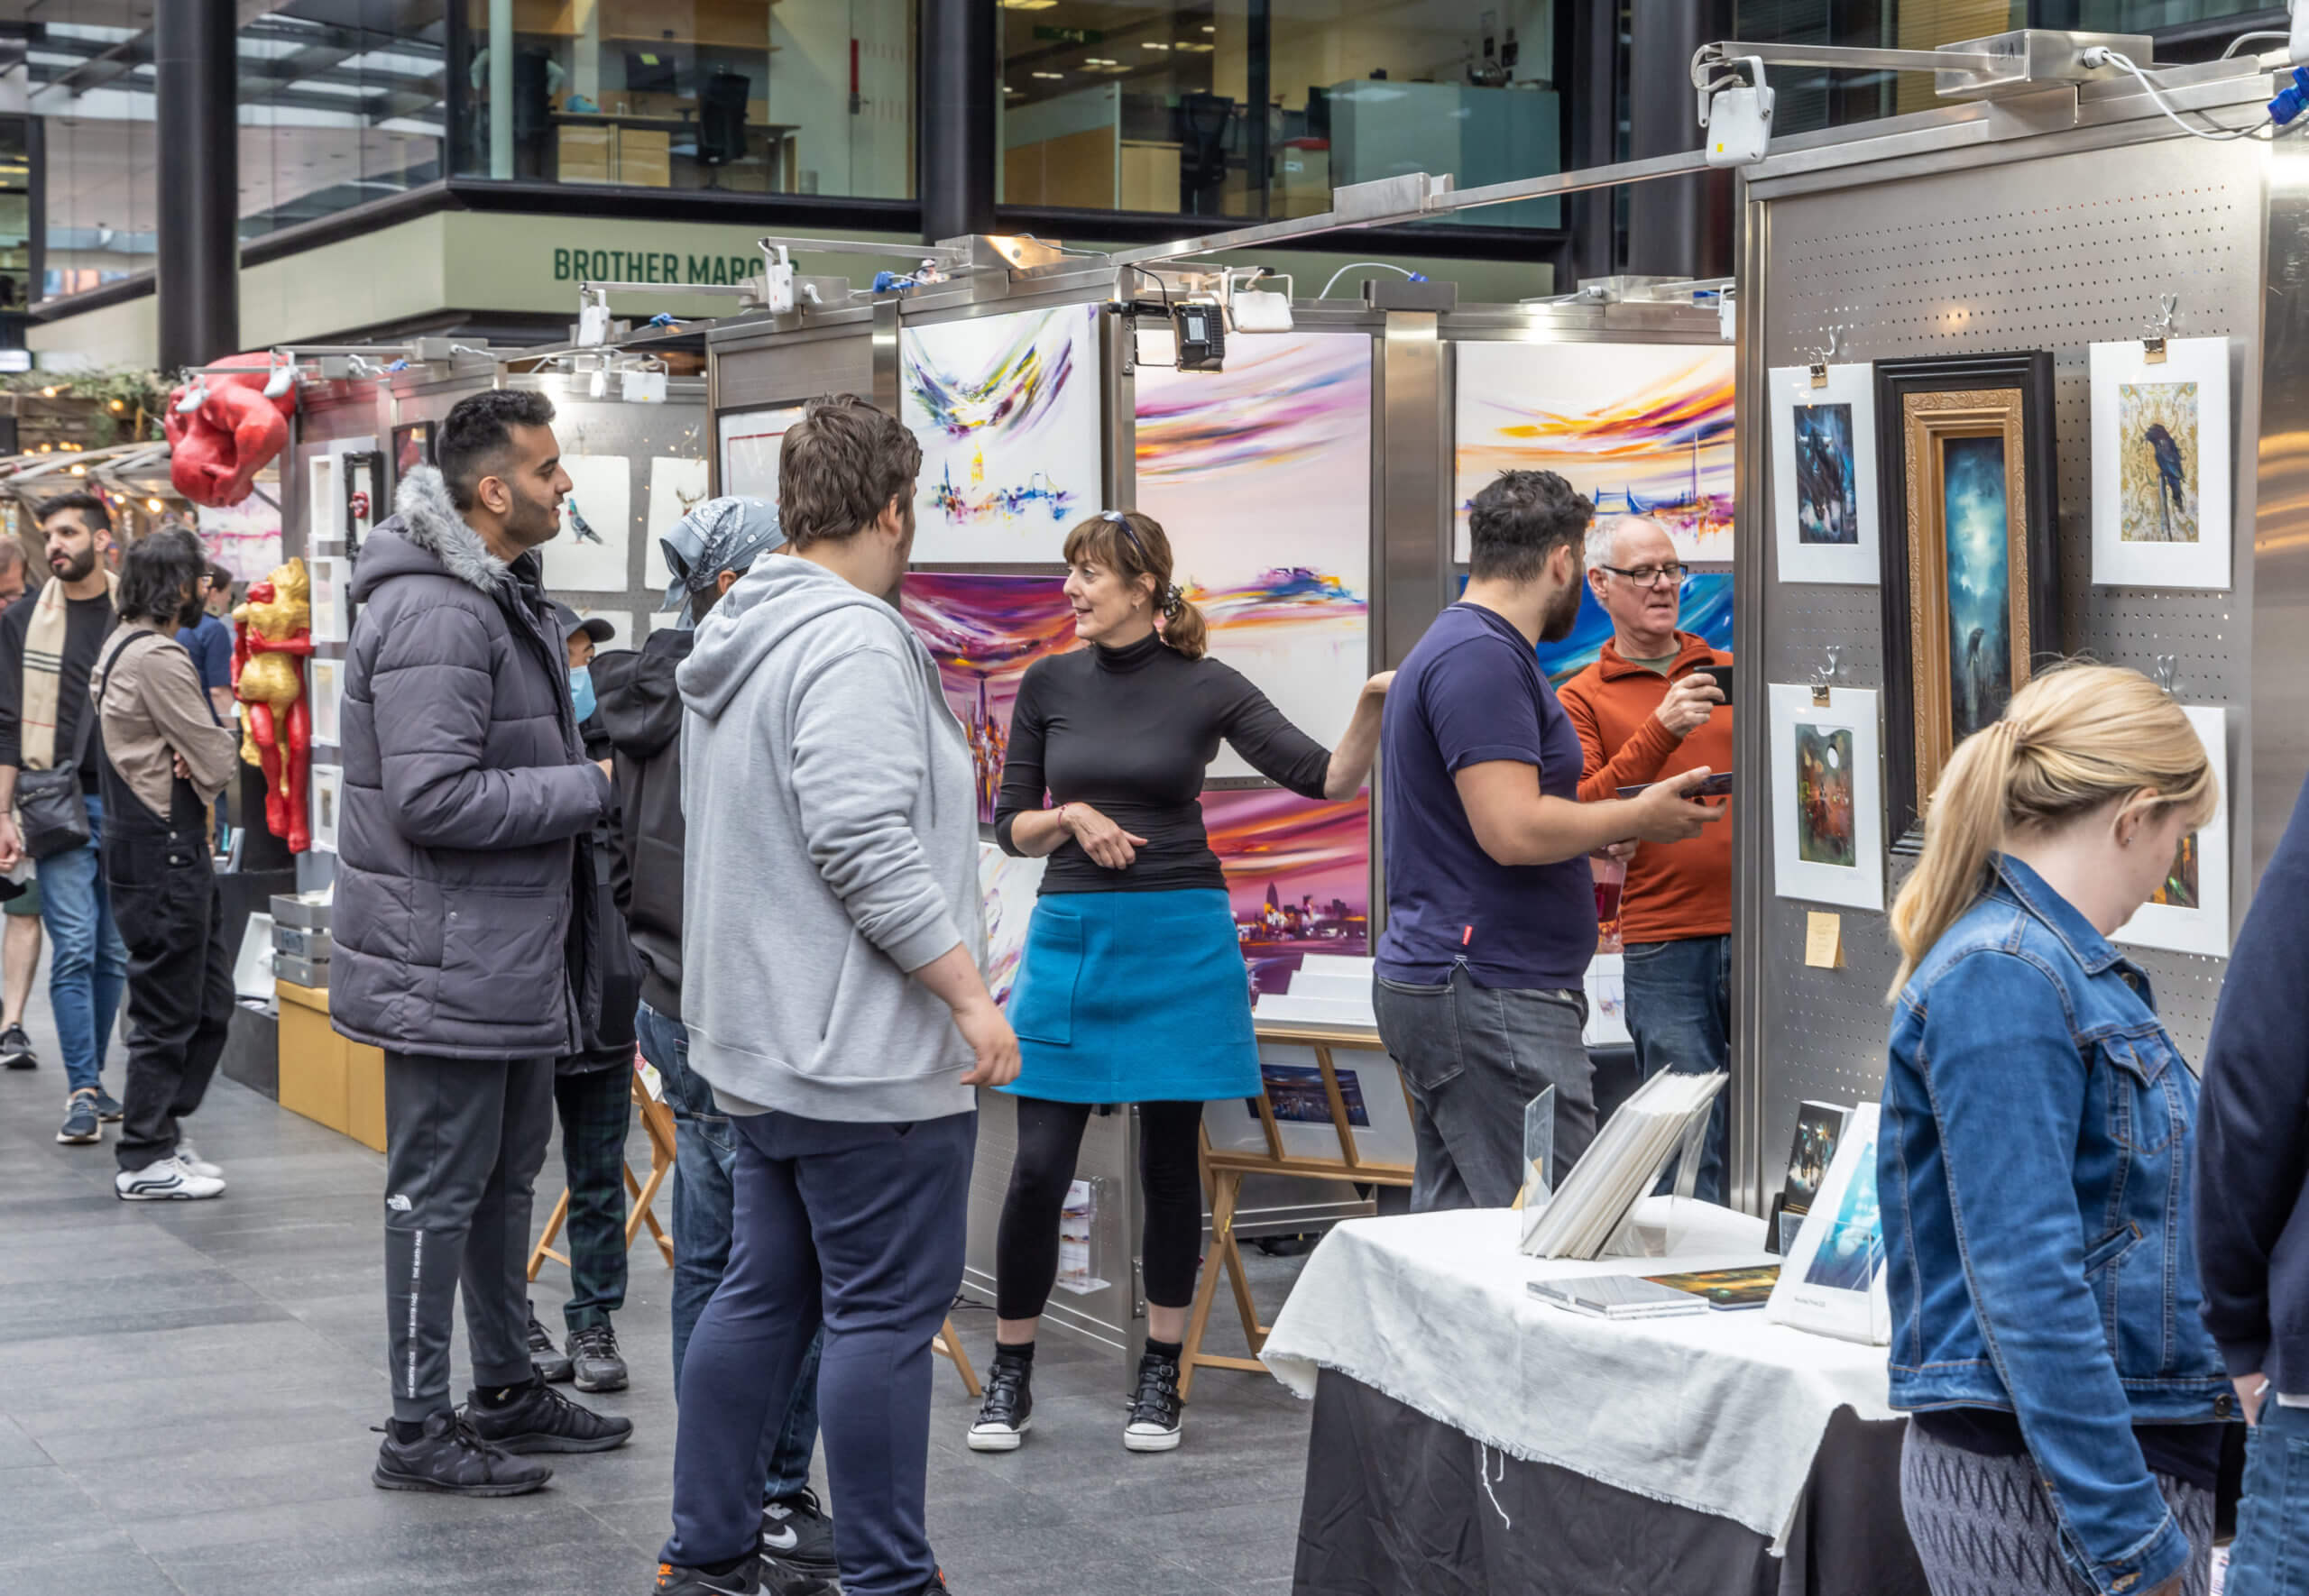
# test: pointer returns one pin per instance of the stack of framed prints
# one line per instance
(1970, 555)
(1827, 797)
(2161, 462)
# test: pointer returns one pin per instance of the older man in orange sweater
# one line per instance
(1646, 710)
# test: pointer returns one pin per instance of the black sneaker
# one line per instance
(1009, 1411)
(594, 1357)
(673, 1580)
(108, 1107)
(1154, 1423)
(544, 1356)
(540, 1418)
(797, 1532)
(81, 1127)
(16, 1049)
(452, 1458)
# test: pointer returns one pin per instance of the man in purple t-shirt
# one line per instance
(1491, 909)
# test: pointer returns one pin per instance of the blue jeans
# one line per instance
(1679, 1012)
(704, 1154)
(88, 966)
(856, 1227)
(2271, 1553)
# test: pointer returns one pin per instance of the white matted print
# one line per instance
(2161, 465)
(328, 576)
(750, 442)
(2190, 912)
(677, 487)
(1823, 474)
(1832, 1282)
(325, 517)
(592, 553)
(327, 679)
(1007, 411)
(328, 782)
(1827, 793)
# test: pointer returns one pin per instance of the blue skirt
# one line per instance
(1134, 997)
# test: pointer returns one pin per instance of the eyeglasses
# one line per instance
(1648, 575)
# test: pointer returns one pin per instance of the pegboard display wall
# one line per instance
(2054, 253)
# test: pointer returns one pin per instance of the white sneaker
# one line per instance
(197, 1165)
(166, 1180)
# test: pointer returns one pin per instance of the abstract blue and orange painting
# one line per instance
(1261, 477)
(984, 629)
(1640, 429)
(1703, 609)
(1006, 408)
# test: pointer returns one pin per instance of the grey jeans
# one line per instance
(1473, 1057)
(465, 1139)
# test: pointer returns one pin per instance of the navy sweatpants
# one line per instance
(859, 1227)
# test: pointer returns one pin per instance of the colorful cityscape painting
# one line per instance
(1006, 408)
(1261, 477)
(1298, 871)
(984, 629)
(1640, 429)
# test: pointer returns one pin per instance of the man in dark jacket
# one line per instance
(465, 948)
(641, 709)
(2252, 1203)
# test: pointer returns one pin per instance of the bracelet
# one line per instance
(1060, 812)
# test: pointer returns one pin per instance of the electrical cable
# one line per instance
(1375, 265)
(1160, 287)
(2110, 58)
(2244, 39)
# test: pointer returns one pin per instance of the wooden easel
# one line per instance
(658, 1120)
(1223, 1172)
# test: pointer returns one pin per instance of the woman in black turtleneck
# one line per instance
(1132, 989)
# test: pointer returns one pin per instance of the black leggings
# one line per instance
(1049, 1135)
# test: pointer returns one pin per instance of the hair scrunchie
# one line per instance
(1173, 601)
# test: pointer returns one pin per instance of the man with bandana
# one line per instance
(707, 551)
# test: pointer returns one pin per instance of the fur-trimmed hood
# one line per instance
(426, 534)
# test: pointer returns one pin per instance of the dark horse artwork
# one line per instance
(2172, 476)
(1828, 505)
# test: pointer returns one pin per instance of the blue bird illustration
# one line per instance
(578, 527)
(2172, 475)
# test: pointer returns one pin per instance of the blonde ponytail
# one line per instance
(2072, 739)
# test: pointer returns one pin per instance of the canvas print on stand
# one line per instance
(1971, 562)
(1640, 429)
(1006, 410)
(1823, 474)
(2190, 912)
(1833, 1282)
(592, 552)
(2161, 465)
(984, 629)
(1827, 797)
(1261, 477)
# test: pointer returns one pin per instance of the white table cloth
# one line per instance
(1720, 1412)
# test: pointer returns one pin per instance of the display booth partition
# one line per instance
(1947, 236)
(1310, 489)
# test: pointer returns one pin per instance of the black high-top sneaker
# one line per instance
(1154, 1423)
(1009, 1411)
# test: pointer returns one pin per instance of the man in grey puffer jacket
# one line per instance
(463, 948)
(832, 937)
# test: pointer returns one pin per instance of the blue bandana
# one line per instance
(720, 534)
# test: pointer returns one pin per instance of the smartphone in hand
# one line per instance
(1718, 786)
(1722, 674)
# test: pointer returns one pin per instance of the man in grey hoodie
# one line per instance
(831, 950)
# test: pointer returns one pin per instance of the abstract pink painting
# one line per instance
(984, 631)
(1298, 870)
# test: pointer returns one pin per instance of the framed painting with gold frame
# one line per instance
(1971, 556)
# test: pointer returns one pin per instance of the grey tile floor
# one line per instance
(186, 1392)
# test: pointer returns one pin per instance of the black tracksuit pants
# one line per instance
(465, 1139)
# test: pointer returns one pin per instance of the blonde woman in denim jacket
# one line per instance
(2066, 1404)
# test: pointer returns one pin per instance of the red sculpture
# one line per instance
(231, 431)
(272, 632)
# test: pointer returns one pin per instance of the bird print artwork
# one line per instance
(578, 528)
(2159, 478)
